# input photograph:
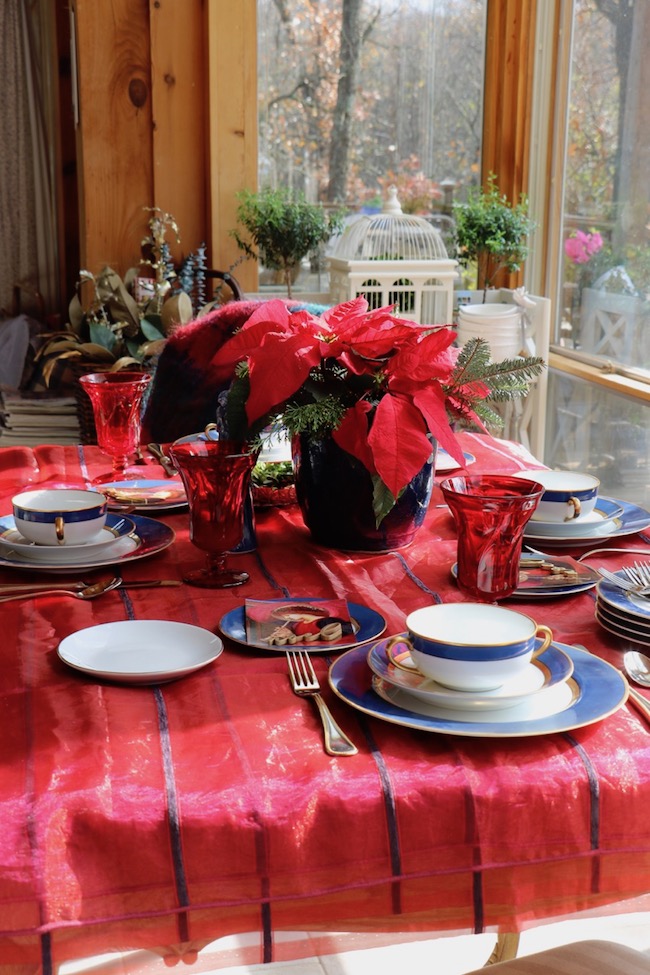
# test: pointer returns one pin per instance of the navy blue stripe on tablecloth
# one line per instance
(594, 808)
(173, 815)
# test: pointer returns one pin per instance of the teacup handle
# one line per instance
(396, 641)
(59, 528)
(547, 639)
(575, 504)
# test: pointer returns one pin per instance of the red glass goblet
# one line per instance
(116, 399)
(491, 512)
(216, 475)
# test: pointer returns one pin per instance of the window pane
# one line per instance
(606, 270)
(411, 113)
(599, 432)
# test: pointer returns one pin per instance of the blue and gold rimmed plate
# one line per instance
(148, 537)
(632, 519)
(536, 583)
(593, 692)
(367, 624)
(552, 667)
(116, 527)
(625, 603)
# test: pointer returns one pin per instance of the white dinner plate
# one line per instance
(593, 692)
(632, 520)
(140, 651)
(445, 462)
(116, 527)
(148, 537)
(622, 630)
(624, 603)
(146, 495)
(550, 668)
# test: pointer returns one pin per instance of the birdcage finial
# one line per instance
(392, 204)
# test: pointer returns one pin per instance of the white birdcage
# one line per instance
(395, 258)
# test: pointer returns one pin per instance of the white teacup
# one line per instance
(59, 516)
(469, 646)
(567, 495)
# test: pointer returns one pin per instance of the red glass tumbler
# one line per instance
(116, 399)
(491, 512)
(216, 475)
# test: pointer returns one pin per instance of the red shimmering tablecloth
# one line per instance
(177, 814)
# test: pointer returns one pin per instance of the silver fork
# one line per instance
(639, 573)
(625, 584)
(305, 684)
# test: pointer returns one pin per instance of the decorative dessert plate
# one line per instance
(367, 624)
(146, 495)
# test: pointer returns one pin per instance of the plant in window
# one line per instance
(280, 230)
(491, 233)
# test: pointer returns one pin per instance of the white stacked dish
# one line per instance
(498, 324)
(623, 614)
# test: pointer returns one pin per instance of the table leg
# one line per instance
(505, 948)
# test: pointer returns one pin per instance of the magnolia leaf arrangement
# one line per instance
(120, 323)
(380, 386)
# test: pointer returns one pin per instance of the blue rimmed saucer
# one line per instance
(552, 667)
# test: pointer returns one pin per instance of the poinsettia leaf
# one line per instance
(278, 370)
(383, 500)
(431, 403)
(352, 434)
(398, 440)
(427, 358)
(339, 315)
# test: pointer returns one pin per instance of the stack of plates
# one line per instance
(498, 324)
(563, 689)
(622, 613)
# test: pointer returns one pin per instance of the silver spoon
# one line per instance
(637, 667)
(90, 592)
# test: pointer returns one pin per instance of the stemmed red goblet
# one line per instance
(216, 475)
(116, 399)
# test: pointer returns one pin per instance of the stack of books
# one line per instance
(32, 419)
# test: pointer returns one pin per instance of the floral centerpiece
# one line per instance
(383, 389)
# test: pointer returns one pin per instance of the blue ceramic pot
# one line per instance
(334, 491)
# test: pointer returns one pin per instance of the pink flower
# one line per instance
(580, 247)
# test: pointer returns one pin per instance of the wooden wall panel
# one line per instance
(114, 135)
(232, 112)
(180, 123)
(509, 63)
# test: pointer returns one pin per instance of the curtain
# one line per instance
(28, 238)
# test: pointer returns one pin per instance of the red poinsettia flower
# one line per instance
(392, 416)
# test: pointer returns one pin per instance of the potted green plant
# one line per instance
(364, 396)
(491, 233)
(280, 229)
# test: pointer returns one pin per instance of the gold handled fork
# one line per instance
(305, 684)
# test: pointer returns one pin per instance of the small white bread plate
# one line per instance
(140, 651)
